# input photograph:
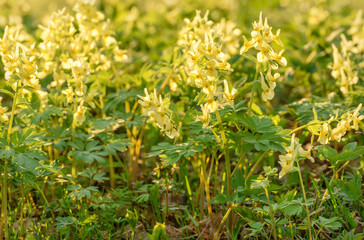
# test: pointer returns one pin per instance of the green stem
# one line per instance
(222, 223)
(5, 185)
(112, 171)
(21, 211)
(227, 165)
(74, 124)
(306, 125)
(252, 91)
(237, 166)
(271, 213)
(305, 200)
(207, 186)
(255, 166)
(334, 177)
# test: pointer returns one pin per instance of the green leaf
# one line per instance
(7, 92)
(351, 190)
(175, 115)
(331, 223)
(90, 219)
(65, 221)
(314, 127)
(220, 198)
(326, 152)
(248, 137)
(350, 147)
(292, 210)
(238, 180)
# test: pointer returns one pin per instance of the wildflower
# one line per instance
(338, 132)
(247, 45)
(69, 94)
(170, 130)
(262, 37)
(211, 105)
(79, 115)
(268, 92)
(261, 40)
(271, 79)
(278, 58)
(287, 164)
(305, 154)
(3, 110)
(156, 109)
(229, 95)
(205, 118)
(356, 118)
(287, 161)
(207, 47)
(324, 134)
(317, 15)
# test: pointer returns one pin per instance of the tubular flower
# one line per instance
(356, 118)
(287, 161)
(343, 67)
(293, 152)
(208, 48)
(261, 40)
(324, 134)
(19, 62)
(157, 111)
(229, 95)
(3, 110)
(349, 120)
(262, 37)
(268, 92)
(205, 118)
(79, 115)
(69, 94)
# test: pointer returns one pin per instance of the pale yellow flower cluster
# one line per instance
(208, 47)
(157, 110)
(80, 73)
(92, 41)
(342, 67)
(317, 15)
(19, 63)
(80, 43)
(11, 12)
(262, 38)
(348, 121)
(356, 31)
(79, 114)
(293, 152)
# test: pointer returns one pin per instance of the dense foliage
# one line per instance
(181, 119)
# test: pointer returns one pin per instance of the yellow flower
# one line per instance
(211, 105)
(3, 110)
(271, 79)
(205, 118)
(287, 161)
(170, 131)
(229, 95)
(268, 92)
(356, 118)
(287, 164)
(278, 57)
(277, 38)
(338, 132)
(79, 115)
(247, 45)
(69, 94)
(324, 134)
(305, 154)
